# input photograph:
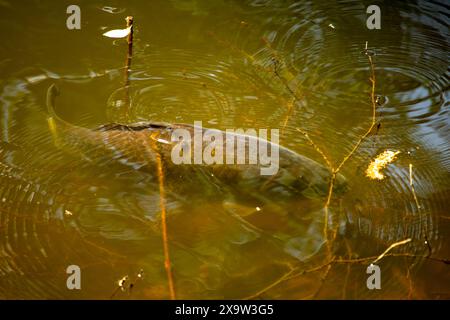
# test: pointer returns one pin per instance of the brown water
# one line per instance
(230, 64)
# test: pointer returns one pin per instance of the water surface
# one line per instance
(229, 64)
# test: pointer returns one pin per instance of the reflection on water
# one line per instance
(254, 64)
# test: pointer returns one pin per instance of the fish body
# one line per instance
(138, 144)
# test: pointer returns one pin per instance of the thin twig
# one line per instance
(316, 147)
(291, 274)
(270, 286)
(288, 114)
(162, 203)
(373, 122)
(358, 143)
(129, 21)
(392, 246)
(406, 254)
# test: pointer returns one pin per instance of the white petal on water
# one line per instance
(163, 141)
(68, 213)
(36, 79)
(118, 33)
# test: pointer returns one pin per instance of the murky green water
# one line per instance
(229, 64)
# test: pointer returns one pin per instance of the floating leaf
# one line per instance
(381, 161)
(121, 282)
(118, 33)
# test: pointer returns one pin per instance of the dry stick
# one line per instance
(335, 171)
(270, 286)
(358, 143)
(287, 276)
(275, 71)
(316, 147)
(159, 164)
(162, 203)
(372, 125)
(327, 161)
(129, 21)
(288, 114)
(291, 273)
(406, 254)
(392, 246)
(355, 147)
(277, 60)
(330, 189)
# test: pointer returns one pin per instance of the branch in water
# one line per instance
(297, 271)
(129, 21)
(162, 203)
(392, 246)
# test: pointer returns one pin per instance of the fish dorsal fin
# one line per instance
(138, 126)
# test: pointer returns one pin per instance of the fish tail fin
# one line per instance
(54, 121)
(52, 93)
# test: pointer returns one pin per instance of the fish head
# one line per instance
(312, 179)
